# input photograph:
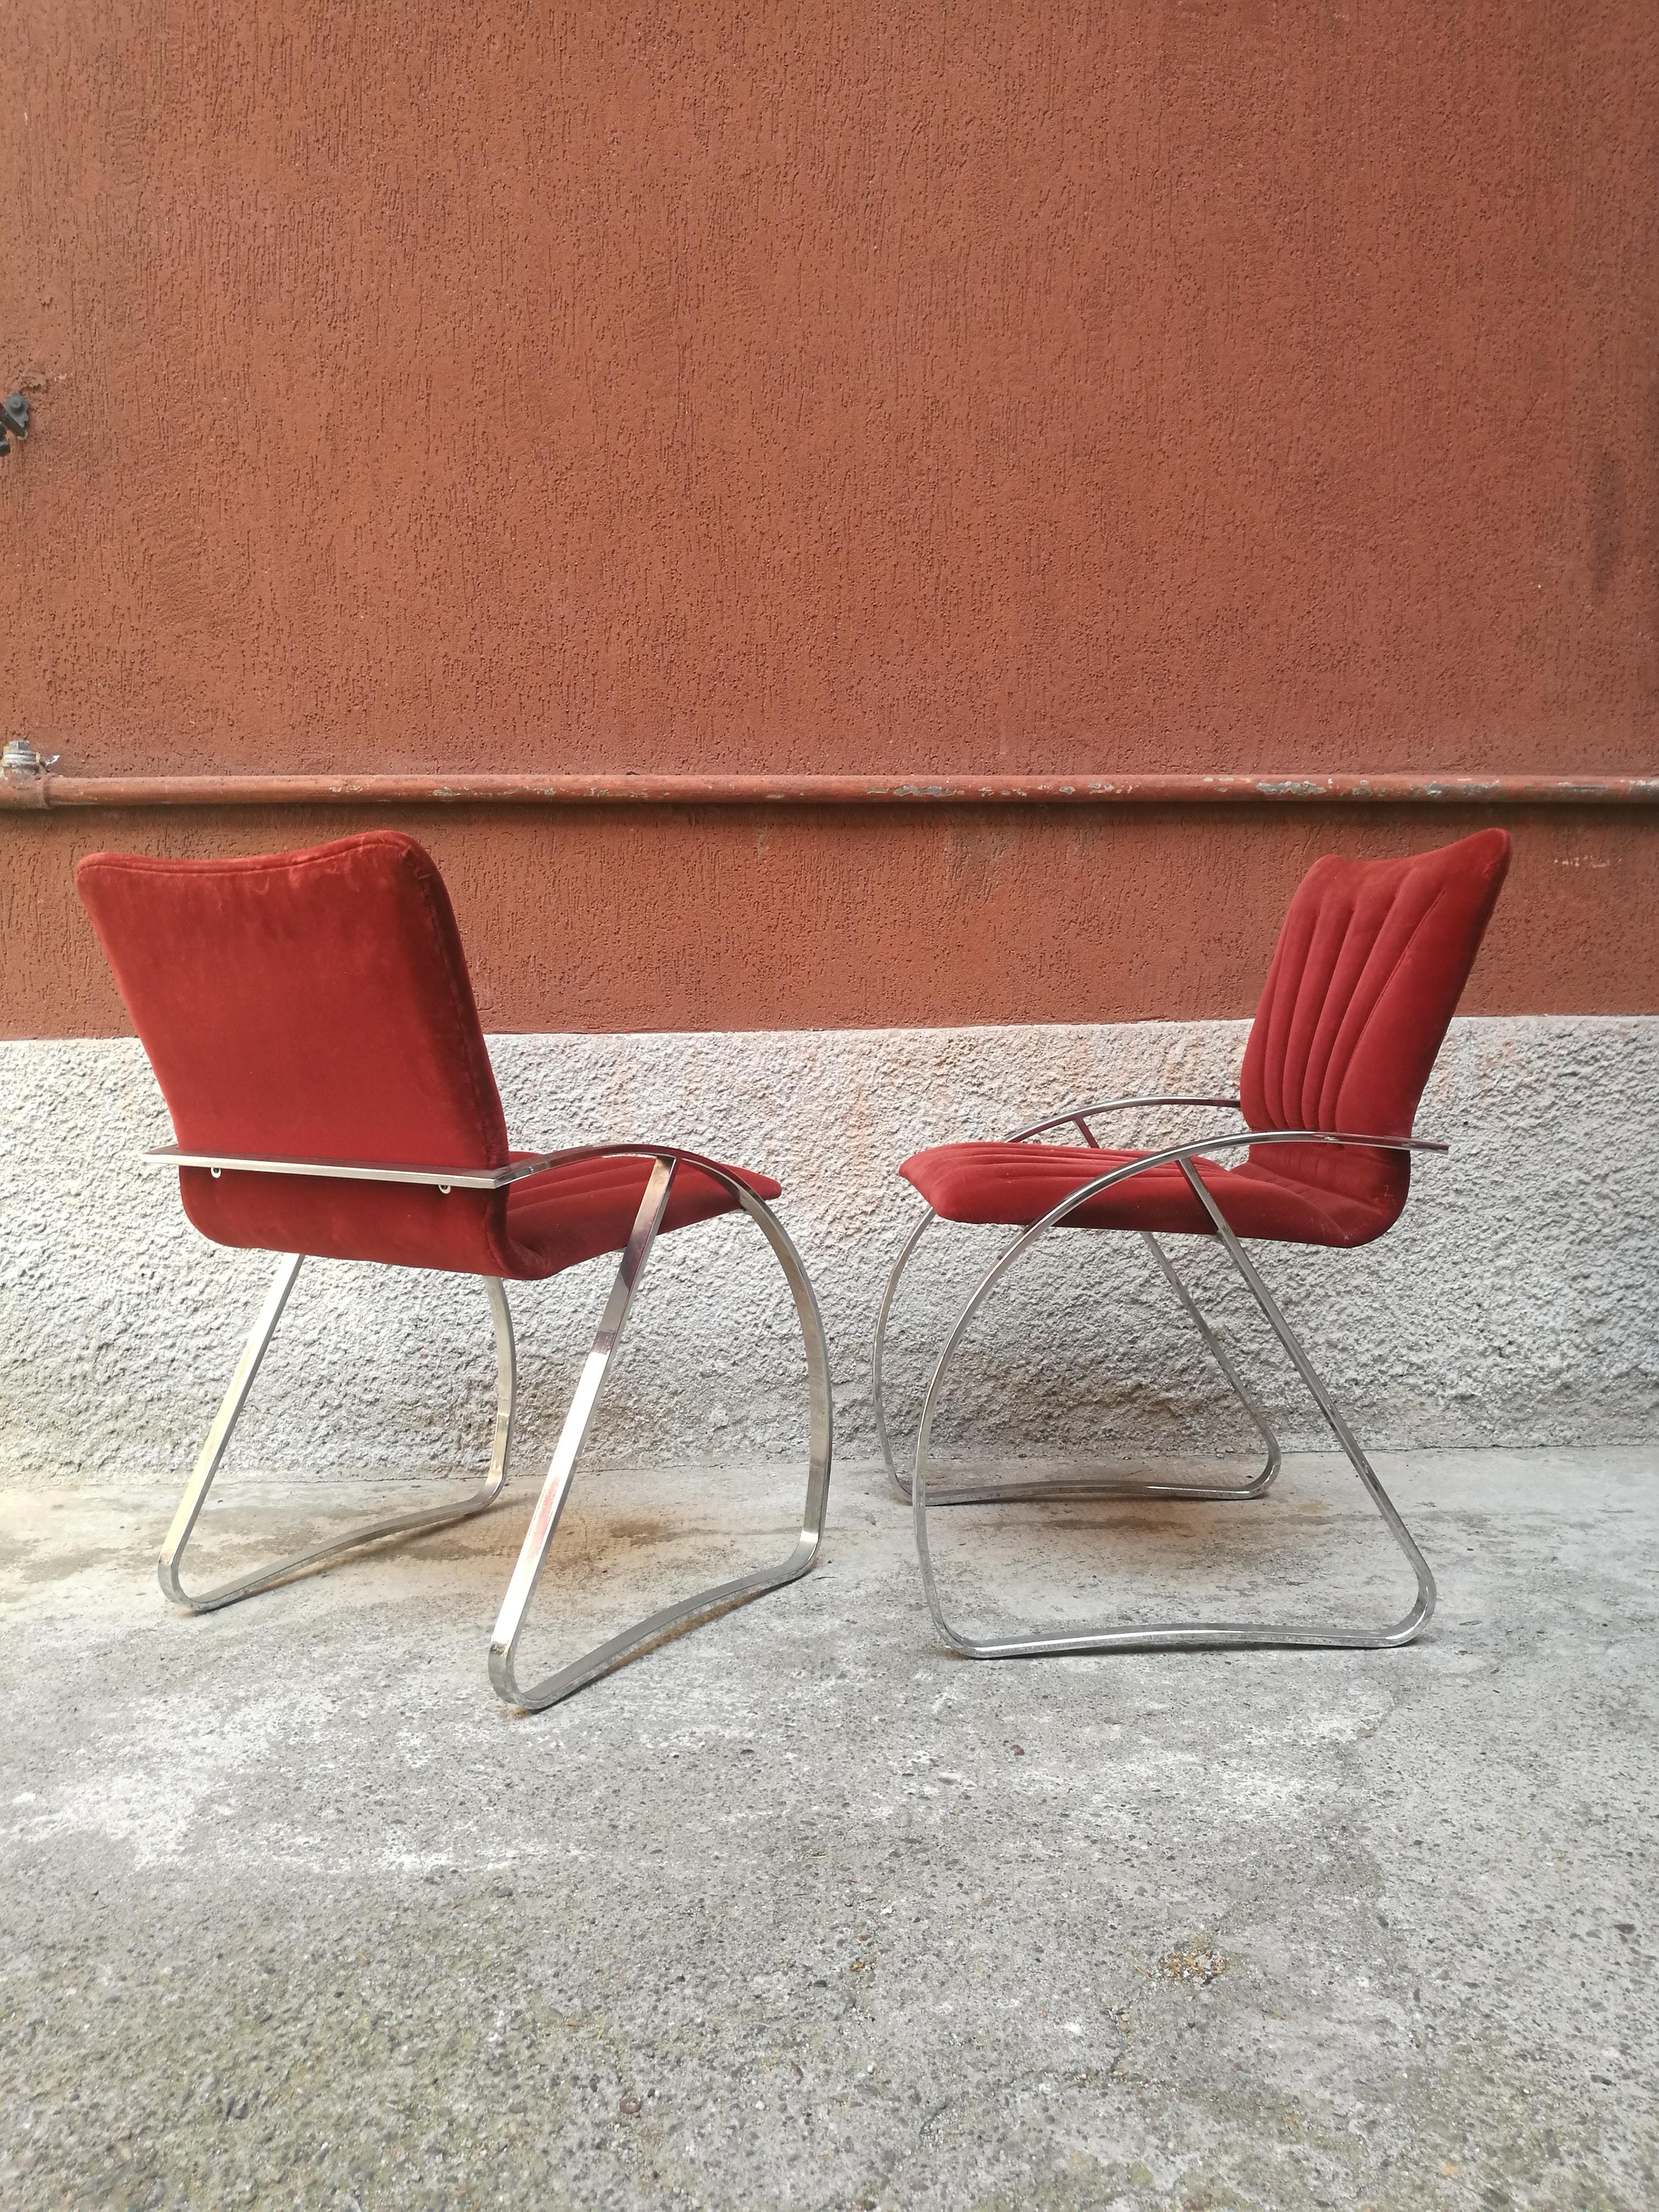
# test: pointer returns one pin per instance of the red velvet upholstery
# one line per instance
(317, 1005)
(1364, 980)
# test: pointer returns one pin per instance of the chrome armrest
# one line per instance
(1223, 1142)
(175, 1156)
(1182, 1155)
(443, 1179)
(1341, 1137)
(1078, 1114)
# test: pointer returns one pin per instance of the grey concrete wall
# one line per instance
(1513, 1305)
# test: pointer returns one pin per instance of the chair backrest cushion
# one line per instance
(1366, 975)
(313, 1006)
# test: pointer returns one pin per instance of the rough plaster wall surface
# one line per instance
(735, 382)
(799, 918)
(1512, 1304)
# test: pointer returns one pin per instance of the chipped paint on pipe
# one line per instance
(46, 790)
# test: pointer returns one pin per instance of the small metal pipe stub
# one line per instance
(19, 758)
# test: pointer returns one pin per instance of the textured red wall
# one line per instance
(835, 384)
(826, 386)
(727, 918)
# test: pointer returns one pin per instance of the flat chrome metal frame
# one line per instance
(509, 1626)
(1173, 1635)
(534, 1697)
(171, 1564)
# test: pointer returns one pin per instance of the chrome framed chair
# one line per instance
(1366, 978)
(310, 1019)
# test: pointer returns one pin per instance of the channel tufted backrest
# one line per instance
(310, 1005)
(1366, 975)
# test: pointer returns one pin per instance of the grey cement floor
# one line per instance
(800, 1910)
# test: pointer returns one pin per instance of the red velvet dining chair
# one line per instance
(311, 1023)
(1371, 961)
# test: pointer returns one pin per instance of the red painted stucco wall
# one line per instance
(722, 918)
(834, 386)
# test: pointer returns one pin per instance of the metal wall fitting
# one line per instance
(14, 419)
(19, 758)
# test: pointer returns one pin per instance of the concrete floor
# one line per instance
(800, 1910)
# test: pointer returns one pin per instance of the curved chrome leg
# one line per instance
(899, 1266)
(1173, 1636)
(1417, 1618)
(218, 1436)
(509, 1626)
(1078, 1486)
(1245, 1396)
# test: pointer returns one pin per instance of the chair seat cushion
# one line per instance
(571, 1214)
(1015, 1185)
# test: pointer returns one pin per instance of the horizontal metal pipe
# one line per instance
(36, 791)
